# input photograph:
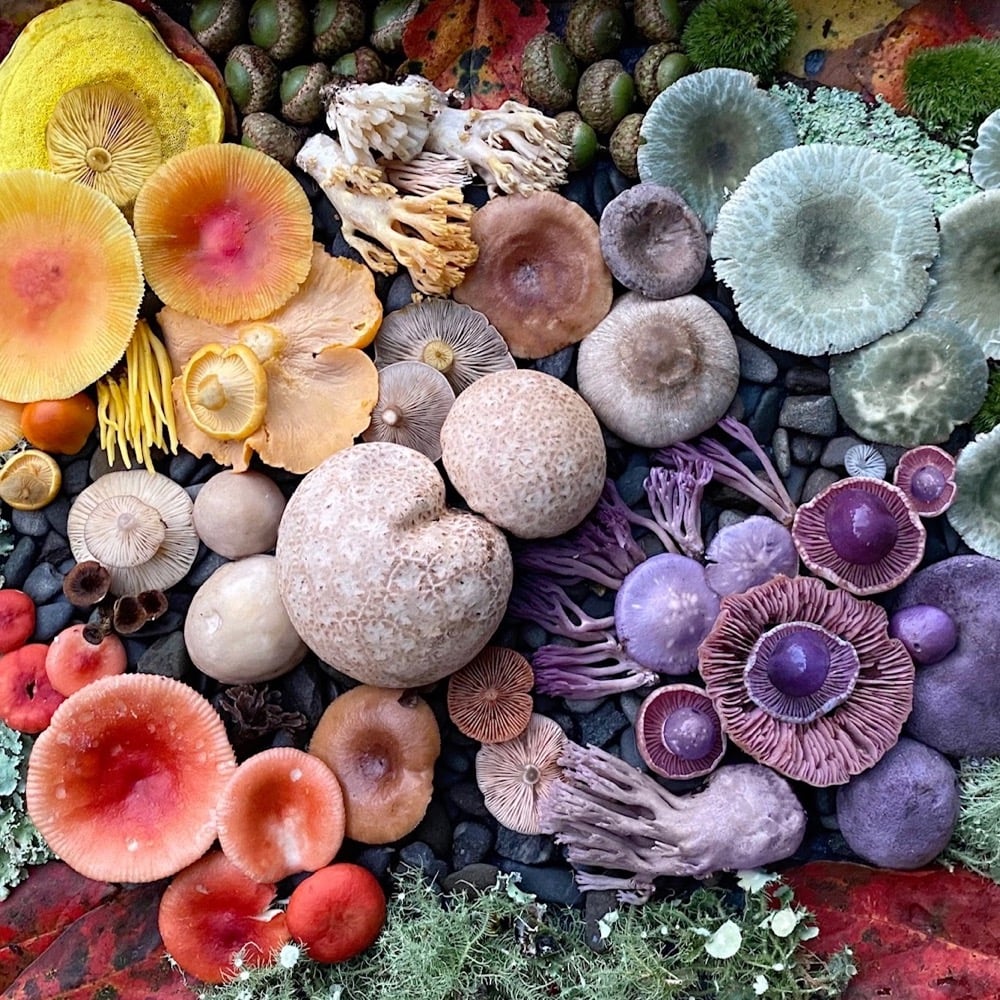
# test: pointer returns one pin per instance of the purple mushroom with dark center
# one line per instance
(927, 476)
(678, 732)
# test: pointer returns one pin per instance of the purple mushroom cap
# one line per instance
(678, 732)
(901, 813)
(928, 633)
(750, 552)
(663, 610)
(956, 701)
(927, 476)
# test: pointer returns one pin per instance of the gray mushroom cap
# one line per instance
(985, 164)
(975, 511)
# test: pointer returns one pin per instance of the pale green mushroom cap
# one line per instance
(985, 163)
(975, 514)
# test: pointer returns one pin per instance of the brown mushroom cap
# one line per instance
(657, 372)
(489, 699)
(124, 782)
(514, 775)
(381, 743)
(540, 276)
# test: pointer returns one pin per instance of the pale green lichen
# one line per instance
(975, 841)
(504, 945)
(21, 844)
(832, 115)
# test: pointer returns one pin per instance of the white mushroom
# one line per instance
(236, 513)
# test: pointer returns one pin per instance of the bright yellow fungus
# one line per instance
(225, 391)
(30, 480)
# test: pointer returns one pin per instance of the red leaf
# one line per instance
(922, 935)
(474, 46)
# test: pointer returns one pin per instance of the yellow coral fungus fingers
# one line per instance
(121, 412)
(165, 395)
(102, 414)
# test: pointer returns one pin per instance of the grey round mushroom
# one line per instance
(659, 371)
(975, 511)
(985, 163)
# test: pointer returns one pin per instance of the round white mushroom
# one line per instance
(236, 513)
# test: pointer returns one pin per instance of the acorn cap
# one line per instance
(647, 70)
(604, 95)
(362, 65)
(595, 28)
(338, 25)
(299, 92)
(658, 20)
(280, 27)
(252, 78)
(217, 24)
(549, 73)
(267, 134)
(389, 21)
(624, 145)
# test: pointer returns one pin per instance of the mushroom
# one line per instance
(703, 133)
(860, 534)
(985, 162)
(224, 391)
(526, 451)
(30, 480)
(86, 584)
(123, 784)
(807, 679)
(413, 401)
(138, 526)
(748, 553)
(281, 813)
(865, 460)
(975, 512)
(225, 233)
(814, 236)
(540, 277)
(17, 619)
(381, 579)
(381, 743)
(10, 423)
(928, 633)
(236, 514)
(927, 476)
(74, 660)
(456, 339)
(678, 733)
(489, 699)
(652, 242)
(71, 285)
(656, 372)
(27, 698)
(236, 630)
(516, 775)
(911, 387)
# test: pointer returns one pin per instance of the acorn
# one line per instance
(218, 24)
(363, 65)
(299, 93)
(279, 27)
(389, 21)
(338, 26)
(658, 20)
(580, 137)
(270, 135)
(658, 67)
(604, 95)
(595, 28)
(252, 78)
(549, 73)
(624, 144)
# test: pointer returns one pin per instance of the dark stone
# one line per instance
(756, 365)
(166, 656)
(30, 522)
(630, 483)
(54, 549)
(805, 379)
(204, 567)
(557, 365)
(810, 414)
(51, 619)
(596, 905)
(817, 482)
(832, 456)
(418, 855)
(795, 483)
(19, 562)
(378, 860)
(75, 476)
(529, 849)
(466, 797)
(781, 451)
(471, 843)
(435, 829)
(806, 449)
(56, 513)
(548, 883)
(301, 692)
(602, 726)
(454, 759)
(182, 467)
(43, 583)
(401, 292)
(629, 752)
(764, 419)
(471, 880)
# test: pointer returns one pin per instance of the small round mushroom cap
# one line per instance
(975, 512)
(861, 534)
(382, 744)
(911, 387)
(224, 390)
(678, 733)
(86, 584)
(138, 525)
(901, 813)
(489, 699)
(928, 633)
(540, 277)
(657, 372)
(852, 735)
(526, 452)
(826, 247)
(515, 775)
(865, 460)
(124, 782)
(927, 476)
(663, 610)
(748, 553)
(413, 401)
(380, 578)
(71, 285)
(985, 163)
(703, 133)
(236, 514)
(652, 242)
(236, 630)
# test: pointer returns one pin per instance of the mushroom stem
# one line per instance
(596, 670)
(540, 600)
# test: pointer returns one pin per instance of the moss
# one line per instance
(751, 35)
(975, 841)
(952, 89)
(989, 413)
(20, 843)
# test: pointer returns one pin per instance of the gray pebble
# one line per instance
(466, 797)
(630, 483)
(601, 727)
(20, 562)
(534, 636)
(795, 483)
(43, 583)
(729, 517)
(557, 364)
(781, 451)
(400, 293)
(629, 752)
(817, 482)
(583, 706)
(54, 549)
(76, 476)
(810, 414)
(471, 880)
(596, 905)
(378, 860)
(835, 450)
(418, 855)
(51, 619)
(550, 885)
(630, 702)
(56, 513)
(805, 379)
(527, 848)
(764, 419)
(182, 467)
(806, 449)
(471, 843)
(30, 522)
(737, 409)
(435, 829)
(204, 567)
(167, 657)
(756, 365)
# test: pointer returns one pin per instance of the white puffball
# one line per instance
(236, 513)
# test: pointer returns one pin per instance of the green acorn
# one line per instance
(218, 24)
(595, 28)
(252, 78)
(624, 144)
(279, 27)
(604, 95)
(299, 93)
(658, 20)
(338, 26)
(270, 135)
(363, 65)
(658, 67)
(389, 21)
(580, 137)
(549, 73)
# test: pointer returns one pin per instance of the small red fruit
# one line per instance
(27, 699)
(17, 619)
(73, 661)
(337, 912)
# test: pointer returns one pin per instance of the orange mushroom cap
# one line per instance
(281, 813)
(489, 699)
(123, 784)
(70, 286)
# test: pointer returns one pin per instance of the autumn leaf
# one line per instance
(921, 935)
(474, 46)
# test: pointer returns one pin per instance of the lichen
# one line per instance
(975, 841)
(828, 114)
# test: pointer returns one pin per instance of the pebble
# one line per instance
(810, 414)
(401, 293)
(596, 905)
(167, 657)
(378, 860)
(75, 476)
(418, 855)
(630, 483)
(182, 467)
(30, 522)
(795, 483)
(471, 879)
(557, 365)
(529, 849)
(466, 797)
(630, 702)
(43, 583)
(471, 843)
(756, 365)
(764, 419)
(54, 549)
(51, 619)
(832, 456)
(817, 481)
(806, 449)
(600, 727)
(435, 829)
(781, 451)
(549, 884)
(20, 562)
(807, 379)
(204, 566)
(629, 752)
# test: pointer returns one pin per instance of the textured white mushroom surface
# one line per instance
(975, 514)
(380, 578)
(985, 163)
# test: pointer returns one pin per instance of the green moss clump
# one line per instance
(751, 35)
(989, 413)
(975, 841)
(953, 88)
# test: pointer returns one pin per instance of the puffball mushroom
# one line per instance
(381, 579)
(236, 629)
(525, 451)
(236, 513)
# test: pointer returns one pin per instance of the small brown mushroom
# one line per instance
(489, 699)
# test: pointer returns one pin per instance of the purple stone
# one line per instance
(928, 633)
(860, 526)
(927, 483)
(799, 663)
(689, 733)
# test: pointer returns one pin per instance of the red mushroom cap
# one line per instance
(17, 619)
(212, 912)
(27, 699)
(74, 660)
(281, 813)
(337, 913)
(123, 784)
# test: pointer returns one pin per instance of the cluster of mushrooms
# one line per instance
(277, 352)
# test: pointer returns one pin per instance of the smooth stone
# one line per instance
(165, 624)
(20, 562)
(418, 855)
(764, 419)
(578, 190)
(630, 702)
(471, 843)
(549, 884)
(781, 451)
(30, 522)
(629, 751)
(806, 449)
(51, 619)
(166, 657)
(756, 365)
(630, 483)
(534, 636)
(471, 880)
(596, 906)
(529, 849)
(401, 292)
(182, 467)
(583, 706)
(737, 409)
(601, 727)
(557, 365)
(204, 567)
(795, 482)
(75, 476)
(806, 379)
(466, 797)
(43, 583)
(750, 394)
(301, 692)
(54, 549)
(833, 453)
(377, 859)
(817, 481)
(730, 517)
(810, 414)
(435, 829)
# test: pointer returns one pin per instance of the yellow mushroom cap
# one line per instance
(10, 424)
(225, 391)
(70, 286)
(30, 480)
